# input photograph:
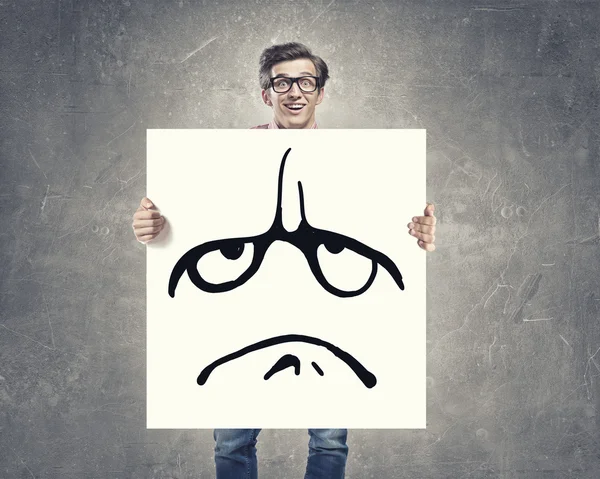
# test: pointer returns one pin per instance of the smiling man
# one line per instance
(292, 80)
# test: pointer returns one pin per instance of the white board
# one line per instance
(227, 332)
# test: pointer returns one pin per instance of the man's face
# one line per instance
(282, 103)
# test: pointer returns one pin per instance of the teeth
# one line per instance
(295, 106)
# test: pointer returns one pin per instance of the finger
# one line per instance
(425, 220)
(146, 214)
(146, 238)
(426, 246)
(146, 203)
(147, 223)
(154, 230)
(422, 228)
(422, 236)
(429, 209)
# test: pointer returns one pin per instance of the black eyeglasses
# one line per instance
(307, 84)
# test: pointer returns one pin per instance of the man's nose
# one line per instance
(295, 90)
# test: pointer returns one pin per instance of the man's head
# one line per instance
(293, 101)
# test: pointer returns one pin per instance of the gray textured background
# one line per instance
(509, 94)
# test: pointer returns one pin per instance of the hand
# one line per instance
(423, 228)
(147, 221)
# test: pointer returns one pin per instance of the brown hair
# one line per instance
(286, 52)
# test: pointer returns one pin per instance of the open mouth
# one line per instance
(295, 107)
(366, 377)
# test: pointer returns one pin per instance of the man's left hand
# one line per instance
(423, 228)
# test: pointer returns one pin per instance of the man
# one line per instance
(292, 81)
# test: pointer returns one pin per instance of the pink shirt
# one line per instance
(273, 126)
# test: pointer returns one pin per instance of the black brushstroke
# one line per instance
(284, 362)
(367, 378)
(306, 238)
(317, 368)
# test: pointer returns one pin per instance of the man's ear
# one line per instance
(321, 95)
(265, 97)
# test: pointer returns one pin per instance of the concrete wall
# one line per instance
(509, 94)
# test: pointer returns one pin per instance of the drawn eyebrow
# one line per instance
(306, 238)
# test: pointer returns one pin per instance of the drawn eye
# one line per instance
(343, 268)
(233, 250)
(334, 246)
(226, 263)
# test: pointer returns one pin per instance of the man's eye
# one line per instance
(227, 263)
(343, 268)
(307, 83)
(281, 83)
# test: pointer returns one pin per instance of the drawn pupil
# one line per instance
(334, 247)
(232, 251)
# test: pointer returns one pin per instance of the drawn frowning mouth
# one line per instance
(367, 378)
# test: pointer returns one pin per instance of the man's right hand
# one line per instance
(147, 221)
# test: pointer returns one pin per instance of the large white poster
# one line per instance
(285, 291)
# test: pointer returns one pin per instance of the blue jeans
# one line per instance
(235, 453)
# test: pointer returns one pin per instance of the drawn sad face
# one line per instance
(307, 239)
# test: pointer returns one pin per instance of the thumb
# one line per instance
(146, 203)
(429, 209)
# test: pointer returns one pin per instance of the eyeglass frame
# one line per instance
(295, 80)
